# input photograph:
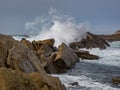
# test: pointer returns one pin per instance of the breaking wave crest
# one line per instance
(62, 28)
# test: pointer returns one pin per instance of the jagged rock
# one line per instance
(49, 42)
(50, 65)
(45, 50)
(86, 55)
(23, 59)
(65, 57)
(46, 82)
(38, 44)
(91, 41)
(15, 80)
(27, 44)
(112, 37)
(116, 80)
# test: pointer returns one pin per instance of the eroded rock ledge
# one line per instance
(91, 41)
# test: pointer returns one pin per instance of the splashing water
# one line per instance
(62, 28)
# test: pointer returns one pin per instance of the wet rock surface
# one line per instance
(91, 41)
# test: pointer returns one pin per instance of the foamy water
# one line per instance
(61, 27)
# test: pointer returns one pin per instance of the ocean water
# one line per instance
(95, 74)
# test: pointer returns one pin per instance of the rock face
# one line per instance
(91, 41)
(23, 59)
(15, 80)
(23, 68)
(112, 37)
(65, 57)
(5, 45)
(86, 55)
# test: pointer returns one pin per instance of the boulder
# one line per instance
(65, 56)
(86, 55)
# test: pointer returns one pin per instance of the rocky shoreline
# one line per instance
(26, 65)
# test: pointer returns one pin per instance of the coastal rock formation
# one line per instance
(112, 37)
(86, 55)
(31, 62)
(91, 41)
(19, 62)
(15, 80)
(51, 58)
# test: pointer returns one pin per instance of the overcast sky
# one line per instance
(103, 16)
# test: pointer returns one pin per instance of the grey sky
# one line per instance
(102, 15)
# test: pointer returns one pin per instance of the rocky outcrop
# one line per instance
(86, 55)
(53, 59)
(112, 37)
(23, 59)
(91, 41)
(23, 68)
(15, 80)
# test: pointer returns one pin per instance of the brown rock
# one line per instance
(112, 37)
(86, 55)
(46, 82)
(23, 59)
(5, 45)
(20, 60)
(116, 80)
(91, 41)
(45, 50)
(65, 57)
(49, 42)
(27, 44)
(14, 80)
